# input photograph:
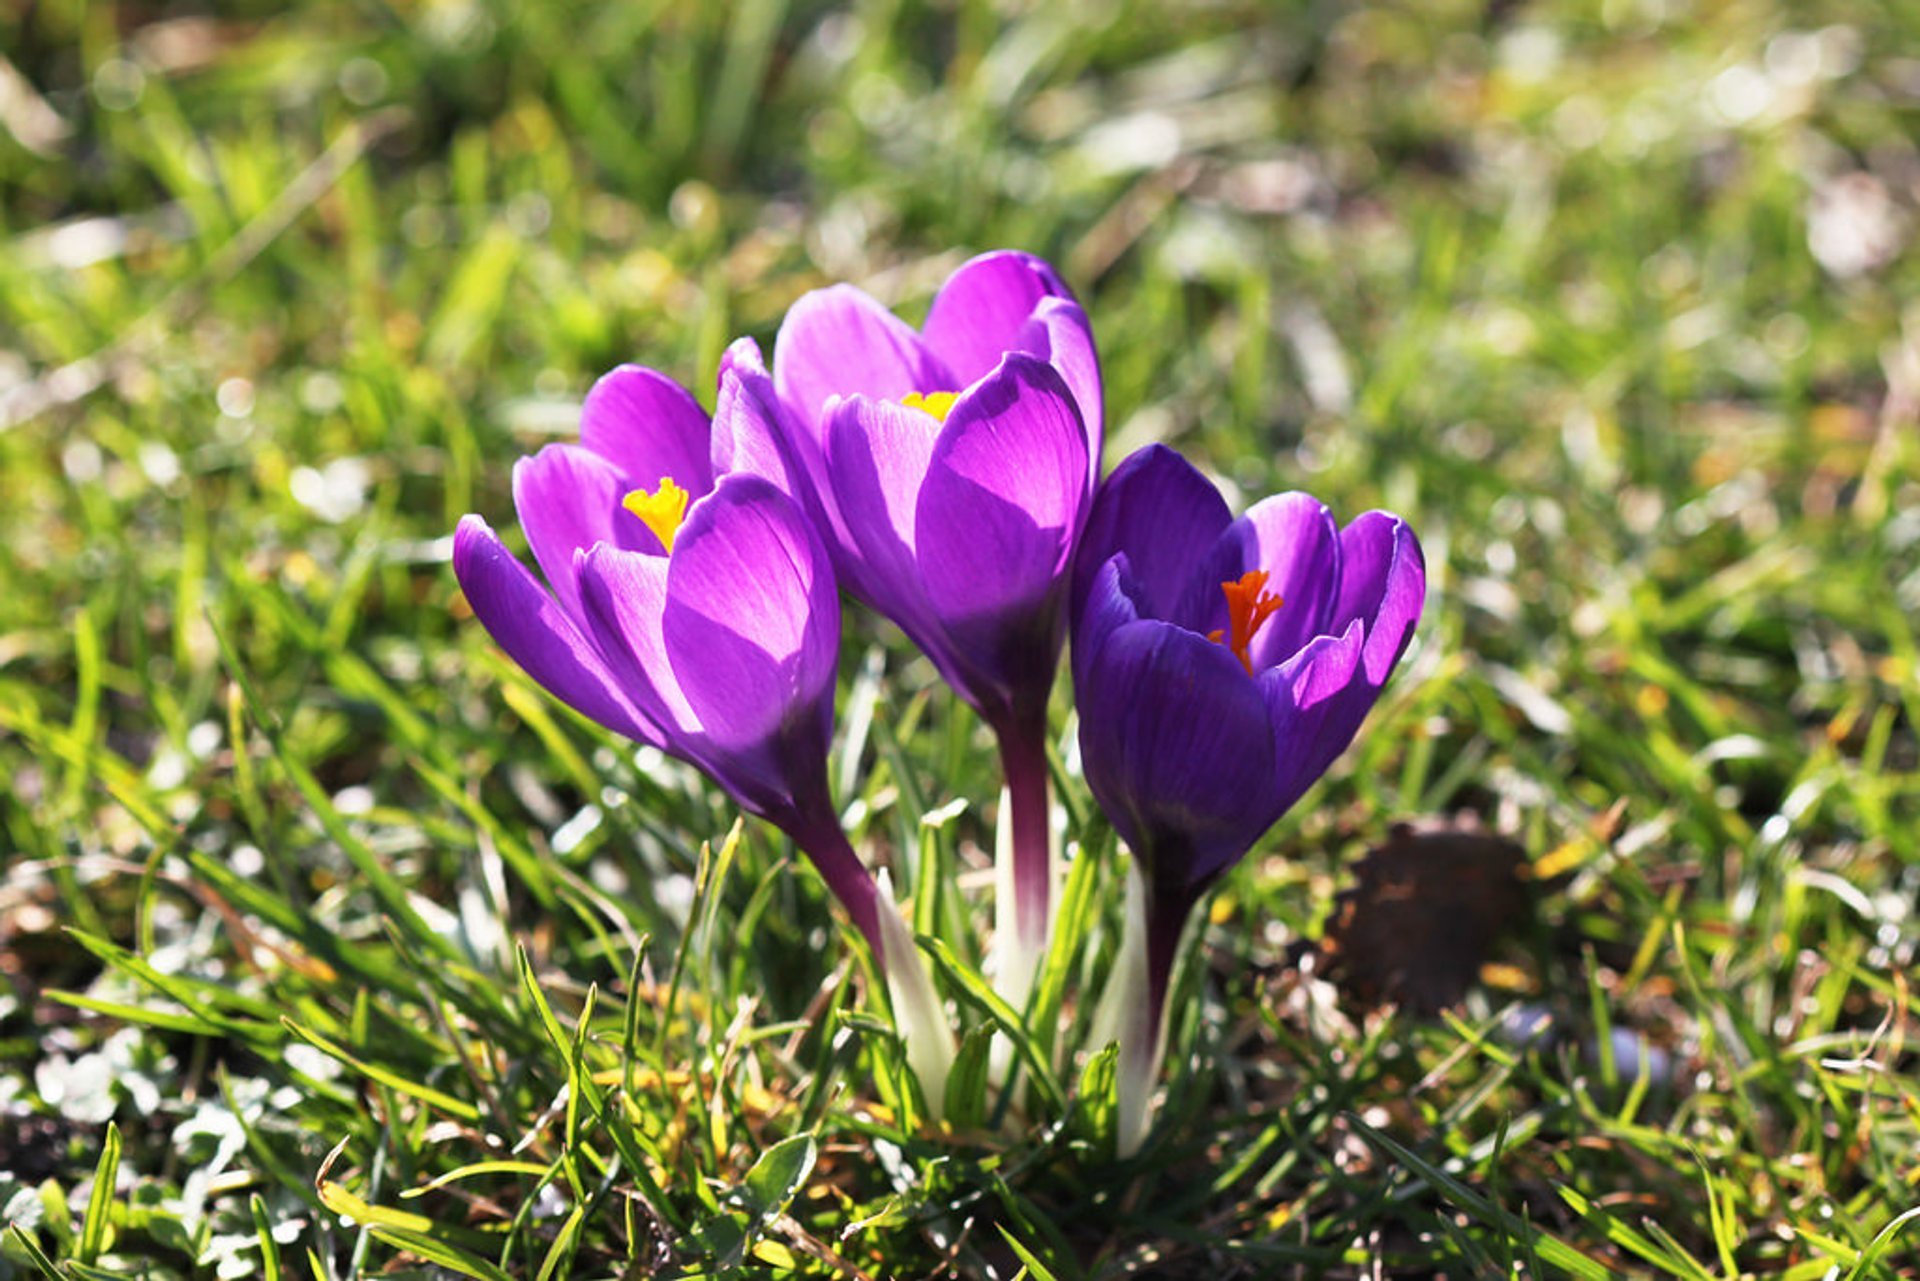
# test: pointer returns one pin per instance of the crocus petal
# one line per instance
(1159, 510)
(539, 635)
(1003, 500)
(624, 597)
(752, 621)
(839, 342)
(877, 454)
(748, 435)
(649, 427)
(1177, 747)
(984, 305)
(1109, 605)
(1294, 538)
(568, 499)
(1383, 581)
(1316, 700)
(1058, 332)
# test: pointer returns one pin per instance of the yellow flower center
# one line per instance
(1249, 604)
(661, 511)
(937, 403)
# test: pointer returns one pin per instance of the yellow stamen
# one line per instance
(1249, 604)
(937, 403)
(662, 510)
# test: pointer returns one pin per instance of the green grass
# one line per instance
(330, 946)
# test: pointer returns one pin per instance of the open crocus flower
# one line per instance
(952, 468)
(1220, 666)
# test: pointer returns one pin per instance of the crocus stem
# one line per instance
(917, 1012)
(825, 844)
(1132, 1009)
(1029, 824)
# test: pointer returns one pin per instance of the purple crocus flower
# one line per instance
(689, 603)
(952, 469)
(1220, 665)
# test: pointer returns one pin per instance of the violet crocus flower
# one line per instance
(691, 605)
(952, 469)
(1220, 666)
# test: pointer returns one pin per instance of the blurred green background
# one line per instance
(1613, 300)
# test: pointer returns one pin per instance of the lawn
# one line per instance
(331, 946)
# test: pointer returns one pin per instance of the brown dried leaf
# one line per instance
(1419, 923)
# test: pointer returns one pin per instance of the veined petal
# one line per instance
(1177, 747)
(1294, 538)
(983, 307)
(877, 455)
(1159, 510)
(1003, 501)
(1383, 582)
(624, 597)
(539, 635)
(752, 618)
(1316, 700)
(648, 426)
(748, 435)
(568, 499)
(839, 342)
(1059, 333)
(1109, 606)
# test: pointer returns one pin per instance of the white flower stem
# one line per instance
(917, 1013)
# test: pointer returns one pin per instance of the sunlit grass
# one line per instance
(376, 958)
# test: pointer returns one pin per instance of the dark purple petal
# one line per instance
(1059, 333)
(1383, 582)
(568, 499)
(1294, 538)
(877, 455)
(752, 622)
(537, 634)
(624, 598)
(1165, 516)
(1177, 748)
(1108, 606)
(839, 342)
(981, 310)
(649, 427)
(1002, 503)
(1317, 700)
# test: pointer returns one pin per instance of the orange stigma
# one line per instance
(1249, 604)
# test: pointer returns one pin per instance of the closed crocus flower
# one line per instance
(1220, 666)
(953, 468)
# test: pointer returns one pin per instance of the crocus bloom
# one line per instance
(1220, 665)
(952, 469)
(689, 604)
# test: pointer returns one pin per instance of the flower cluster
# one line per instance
(947, 477)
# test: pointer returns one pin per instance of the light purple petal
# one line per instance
(624, 597)
(1177, 748)
(979, 313)
(568, 499)
(648, 427)
(748, 435)
(1059, 333)
(877, 454)
(1296, 540)
(1159, 510)
(537, 634)
(839, 342)
(752, 622)
(1004, 497)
